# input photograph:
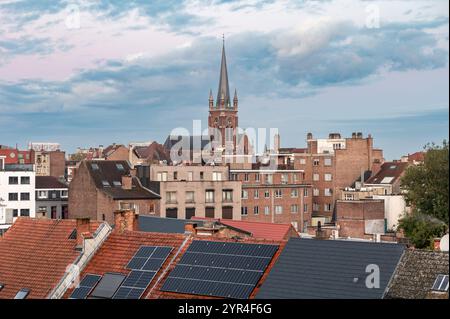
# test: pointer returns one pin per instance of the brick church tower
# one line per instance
(223, 116)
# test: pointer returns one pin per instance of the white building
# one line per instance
(17, 193)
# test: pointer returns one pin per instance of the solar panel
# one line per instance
(85, 286)
(220, 269)
(149, 258)
(441, 283)
(144, 264)
(107, 286)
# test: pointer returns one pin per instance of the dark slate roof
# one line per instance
(416, 274)
(329, 269)
(109, 172)
(164, 225)
(49, 182)
(388, 169)
(223, 92)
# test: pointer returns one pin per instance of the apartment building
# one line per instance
(51, 198)
(17, 192)
(49, 160)
(277, 196)
(197, 191)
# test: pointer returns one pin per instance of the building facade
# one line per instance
(197, 191)
(17, 193)
(51, 198)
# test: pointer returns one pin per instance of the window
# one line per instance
(115, 183)
(190, 197)
(266, 194)
(209, 212)
(316, 162)
(244, 211)
(246, 177)
(305, 192)
(256, 210)
(161, 177)
(295, 177)
(24, 196)
(328, 177)
(190, 212)
(302, 161)
(175, 176)
(209, 196)
(327, 161)
(349, 196)
(315, 177)
(172, 212)
(284, 178)
(105, 184)
(316, 207)
(64, 194)
(13, 180)
(441, 283)
(327, 207)
(217, 176)
(227, 195)
(233, 177)
(316, 192)
(327, 191)
(13, 196)
(278, 193)
(42, 194)
(22, 293)
(294, 208)
(269, 179)
(25, 212)
(190, 176)
(120, 167)
(95, 167)
(227, 212)
(256, 194)
(244, 194)
(15, 212)
(257, 176)
(25, 180)
(294, 193)
(266, 210)
(171, 197)
(278, 209)
(202, 175)
(305, 208)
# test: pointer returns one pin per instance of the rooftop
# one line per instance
(49, 182)
(389, 173)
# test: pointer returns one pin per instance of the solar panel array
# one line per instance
(85, 287)
(144, 265)
(441, 283)
(220, 269)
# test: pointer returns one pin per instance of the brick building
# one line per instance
(195, 190)
(98, 188)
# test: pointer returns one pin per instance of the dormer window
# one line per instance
(120, 167)
(105, 184)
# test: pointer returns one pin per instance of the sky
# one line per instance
(90, 72)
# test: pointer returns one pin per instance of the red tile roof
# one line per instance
(34, 255)
(258, 230)
(417, 156)
(119, 248)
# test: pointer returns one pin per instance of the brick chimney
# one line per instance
(83, 227)
(125, 220)
(127, 182)
(190, 228)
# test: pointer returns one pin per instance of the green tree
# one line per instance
(426, 190)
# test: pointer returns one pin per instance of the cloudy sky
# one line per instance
(92, 72)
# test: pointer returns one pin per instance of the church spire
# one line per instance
(223, 93)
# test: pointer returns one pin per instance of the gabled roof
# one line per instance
(330, 269)
(34, 255)
(417, 156)
(111, 172)
(152, 152)
(416, 274)
(111, 149)
(119, 248)
(164, 225)
(389, 173)
(49, 182)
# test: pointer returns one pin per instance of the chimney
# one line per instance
(309, 136)
(125, 219)
(354, 135)
(83, 227)
(359, 135)
(190, 228)
(127, 182)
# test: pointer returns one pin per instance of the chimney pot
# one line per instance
(83, 225)
(190, 228)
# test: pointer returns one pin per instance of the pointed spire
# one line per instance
(210, 95)
(235, 95)
(224, 90)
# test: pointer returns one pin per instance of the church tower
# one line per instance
(223, 116)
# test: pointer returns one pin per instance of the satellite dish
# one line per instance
(443, 246)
